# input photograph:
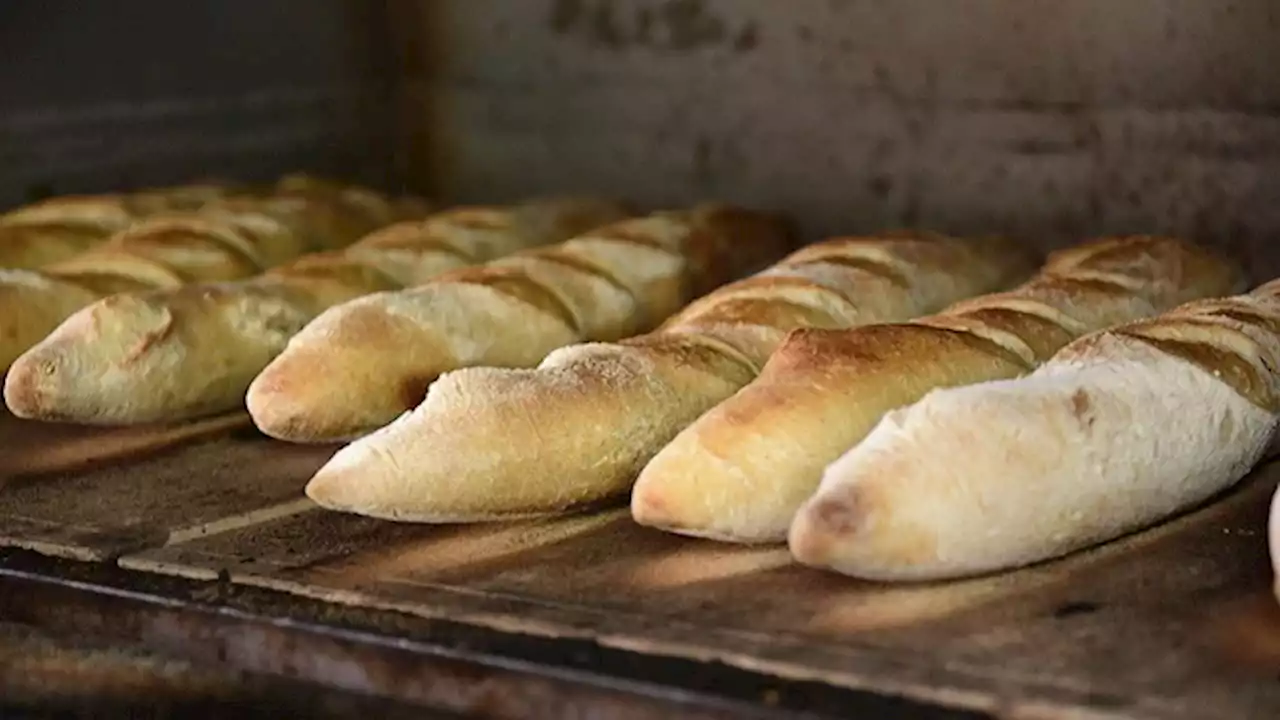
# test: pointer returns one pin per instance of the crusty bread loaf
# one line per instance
(229, 237)
(1118, 431)
(62, 227)
(360, 365)
(190, 351)
(493, 443)
(337, 214)
(742, 470)
(30, 245)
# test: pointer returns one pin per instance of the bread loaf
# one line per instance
(59, 228)
(493, 443)
(229, 238)
(360, 365)
(742, 470)
(337, 214)
(184, 352)
(1118, 431)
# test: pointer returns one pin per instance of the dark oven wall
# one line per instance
(109, 95)
(1040, 117)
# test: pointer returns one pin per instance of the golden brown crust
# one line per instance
(515, 283)
(1227, 366)
(417, 236)
(388, 377)
(730, 242)
(195, 250)
(1237, 340)
(758, 291)
(103, 214)
(867, 265)
(31, 246)
(331, 277)
(560, 256)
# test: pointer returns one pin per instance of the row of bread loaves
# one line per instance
(861, 399)
(577, 428)
(990, 468)
(58, 228)
(186, 351)
(167, 238)
(379, 354)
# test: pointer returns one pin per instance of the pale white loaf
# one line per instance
(1120, 430)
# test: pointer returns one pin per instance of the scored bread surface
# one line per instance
(1118, 431)
(576, 429)
(360, 365)
(162, 239)
(740, 472)
(59, 228)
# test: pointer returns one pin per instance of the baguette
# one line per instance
(742, 470)
(1118, 431)
(492, 443)
(338, 214)
(191, 351)
(231, 238)
(378, 355)
(59, 228)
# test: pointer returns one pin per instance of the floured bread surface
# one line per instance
(483, 428)
(997, 475)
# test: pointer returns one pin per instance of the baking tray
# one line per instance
(593, 611)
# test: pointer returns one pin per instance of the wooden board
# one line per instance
(29, 448)
(148, 487)
(1162, 624)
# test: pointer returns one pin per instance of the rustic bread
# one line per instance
(360, 365)
(61, 227)
(190, 350)
(493, 443)
(742, 470)
(1118, 431)
(230, 237)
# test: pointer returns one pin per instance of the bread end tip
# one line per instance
(334, 488)
(24, 387)
(820, 527)
(295, 414)
(648, 507)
